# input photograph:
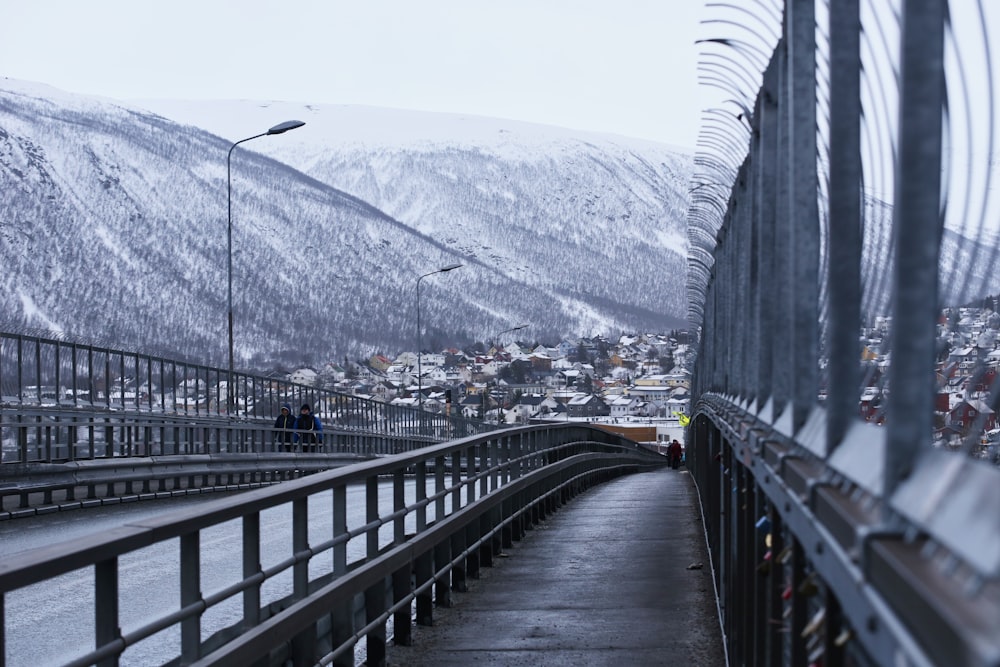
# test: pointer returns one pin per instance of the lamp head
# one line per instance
(450, 267)
(286, 126)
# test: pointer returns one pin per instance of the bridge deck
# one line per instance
(604, 581)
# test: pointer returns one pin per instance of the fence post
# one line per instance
(917, 211)
(802, 206)
(844, 281)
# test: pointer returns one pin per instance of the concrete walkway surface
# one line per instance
(619, 576)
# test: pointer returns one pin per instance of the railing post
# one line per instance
(341, 616)
(917, 220)
(516, 454)
(456, 481)
(763, 152)
(483, 468)
(304, 643)
(802, 207)
(401, 578)
(424, 566)
(375, 594)
(506, 532)
(844, 282)
(251, 566)
(442, 586)
(190, 594)
(22, 439)
(105, 607)
(439, 488)
(459, 569)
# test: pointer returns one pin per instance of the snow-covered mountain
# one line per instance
(114, 220)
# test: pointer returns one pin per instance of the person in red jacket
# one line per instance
(674, 454)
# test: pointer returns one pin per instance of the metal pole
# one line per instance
(917, 225)
(845, 217)
(277, 129)
(420, 389)
(803, 208)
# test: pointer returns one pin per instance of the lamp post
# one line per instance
(496, 340)
(281, 128)
(420, 389)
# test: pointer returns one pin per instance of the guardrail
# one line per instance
(807, 564)
(454, 506)
(843, 240)
(63, 375)
(41, 488)
(54, 436)
(60, 459)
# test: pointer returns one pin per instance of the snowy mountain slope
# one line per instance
(515, 195)
(113, 227)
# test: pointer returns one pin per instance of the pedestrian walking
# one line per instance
(674, 454)
(308, 429)
(283, 426)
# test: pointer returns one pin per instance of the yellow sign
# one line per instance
(682, 418)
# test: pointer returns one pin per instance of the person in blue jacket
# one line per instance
(308, 429)
(283, 428)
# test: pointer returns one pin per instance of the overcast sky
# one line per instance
(627, 67)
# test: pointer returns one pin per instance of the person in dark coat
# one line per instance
(283, 428)
(308, 429)
(674, 454)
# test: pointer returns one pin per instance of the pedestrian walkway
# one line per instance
(619, 576)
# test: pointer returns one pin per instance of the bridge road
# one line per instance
(603, 581)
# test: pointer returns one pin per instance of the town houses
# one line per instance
(966, 369)
(636, 376)
(646, 376)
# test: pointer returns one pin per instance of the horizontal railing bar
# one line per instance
(280, 566)
(331, 543)
(297, 616)
(218, 596)
(174, 617)
(606, 451)
(846, 538)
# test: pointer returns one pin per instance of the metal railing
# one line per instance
(447, 511)
(66, 460)
(58, 436)
(61, 400)
(63, 375)
(851, 190)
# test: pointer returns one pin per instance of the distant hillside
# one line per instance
(114, 227)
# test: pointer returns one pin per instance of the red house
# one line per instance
(965, 415)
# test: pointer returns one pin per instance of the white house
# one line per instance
(398, 373)
(431, 359)
(408, 358)
(306, 376)
(529, 406)
(624, 406)
(436, 375)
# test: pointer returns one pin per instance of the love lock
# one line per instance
(815, 623)
(808, 587)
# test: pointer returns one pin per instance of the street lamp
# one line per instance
(281, 128)
(420, 390)
(496, 340)
(517, 328)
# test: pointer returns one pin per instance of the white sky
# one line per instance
(626, 67)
